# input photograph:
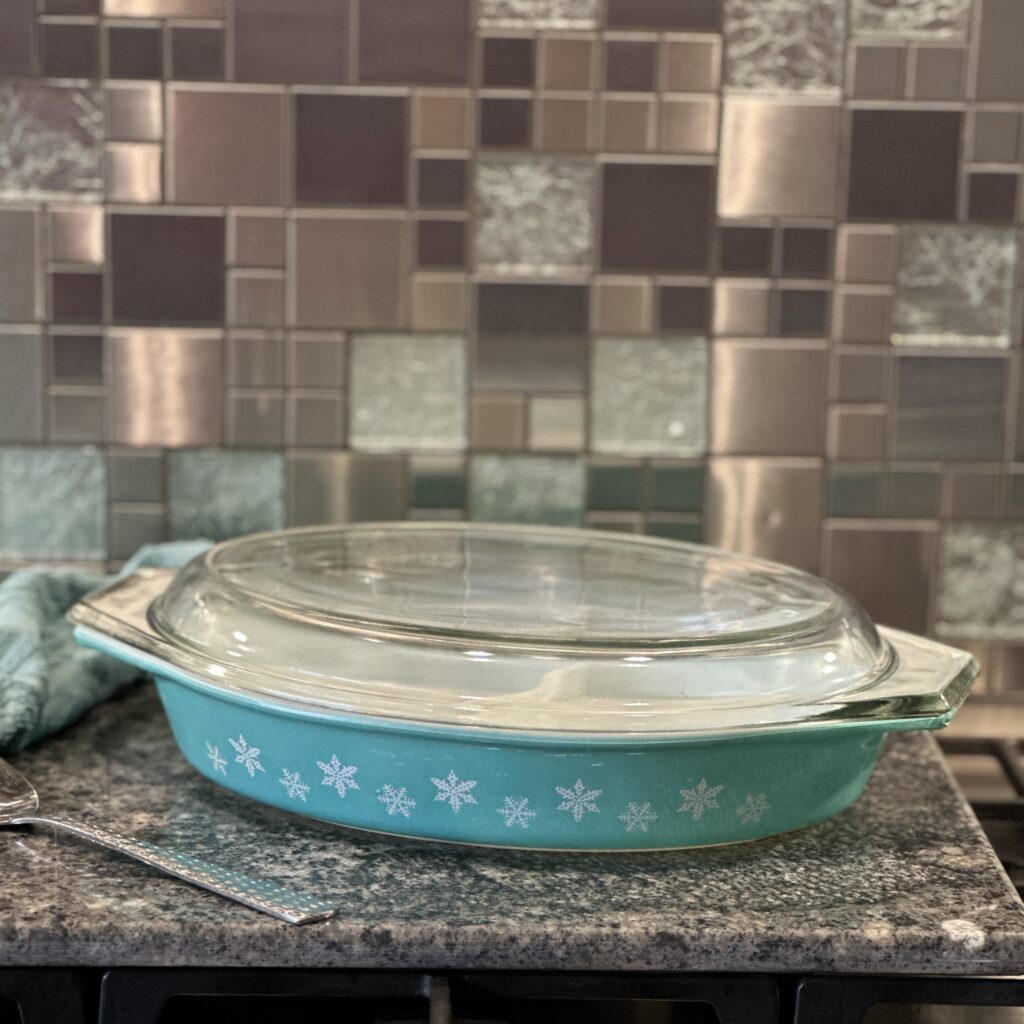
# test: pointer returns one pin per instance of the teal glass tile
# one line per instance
(218, 494)
(675, 488)
(615, 487)
(53, 503)
(436, 481)
(527, 489)
(912, 495)
(853, 492)
(671, 529)
(136, 477)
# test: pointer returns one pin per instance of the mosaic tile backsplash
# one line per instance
(723, 270)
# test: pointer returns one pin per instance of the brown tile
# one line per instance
(255, 361)
(197, 53)
(17, 21)
(887, 569)
(20, 289)
(626, 124)
(77, 298)
(684, 308)
(134, 52)
(866, 255)
(76, 419)
(441, 182)
(328, 169)
(992, 197)
(300, 41)
(404, 43)
(350, 272)
(742, 307)
(996, 136)
(76, 234)
(315, 420)
(857, 433)
(531, 337)
(745, 250)
(441, 243)
(256, 240)
(972, 492)
(565, 125)
(134, 113)
(1014, 488)
(629, 65)
(256, 300)
(226, 147)
(508, 62)
(861, 376)
(1000, 70)
(497, 423)
(442, 120)
(439, 302)
(567, 62)
(690, 65)
(505, 122)
(688, 125)
(939, 72)
(344, 487)
(166, 268)
(862, 315)
(557, 424)
(903, 164)
(70, 6)
(803, 312)
(656, 216)
(806, 252)
(622, 305)
(692, 14)
(317, 361)
(133, 172)
(77, 358)
(878, 72)
(68, 50)
(254, 419)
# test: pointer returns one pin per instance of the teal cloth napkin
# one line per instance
(46, 679)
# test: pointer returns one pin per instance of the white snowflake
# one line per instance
(454, 791)
(753, 808)
(219, 764)
(338, 775)
(638, 817)
(397, 801)
(516, 812)
(699, 799)
(578, 800)
(293, 784)
(248, 757)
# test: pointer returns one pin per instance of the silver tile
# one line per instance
(688, 125)
(76, 234)
(866, 254)
(134, 112)
(20, 287)
(572, 14)
(164, 8)
(765, 170)
(166, 387)
(134, 172)
(780, 46)
(21, 386)
(768, 399)
(315, 419)
(256, 298)
(742, 307)
(344, 487)
(76, 418)
(255, 418)
(316, 361)
(527, 489)
(51, 146)
(255, 360)
(770, 508)
(534, 214)
(910, 17)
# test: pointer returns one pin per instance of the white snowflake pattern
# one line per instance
(338, 775)
(699, 799)
(248, 757)
(578, 800)
(454, 791)
(753, 808)
(638, 817)
(516, 812)
(218, 762)
(293, 784)
(397, 801)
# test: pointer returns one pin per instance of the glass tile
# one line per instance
(527, 489)
(437, 481)
(615, 486)
(218, 494)
(67, 490)
(136, 477)
(912, 495)
(853, 492)
(539, 13)
(649, 396)
(672, 529)
(557, 424)
(675, 488)
(931, 17)
(408, 391)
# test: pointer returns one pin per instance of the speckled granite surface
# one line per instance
(902, 881)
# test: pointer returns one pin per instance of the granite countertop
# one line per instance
(902, 881)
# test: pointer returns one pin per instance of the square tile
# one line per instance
(76, 234)
(134, 52)
(649, 396)
(132, 528)
(879, 17)
(567, 62)
(688, 125)
(68, 50)
(329, 170)
(863, 314)
(134, 112)
(939, 72)
(437, 481)
(134, 171)
(857, 432)
(441, 182)
(527, 489)
(508, 62)
(745, 250)
(197, 53)
(999, 72)
(675, 487)
(407, 391)
(344, 487)
(622, 305)
(803, 312)
(316, 362)
(629, 65)
(867, 254)
(401, 43)
(505, 122)
(256, 299)
(77, 297)
(972, 492)
(315, 419)
(615, 486)
(878, 72)
(441, 243)
(255, 360)
(670, 528)
(996, 137)
(76, 419)
(565, 125)
(497, 423)
(256, 240)
(684, 308)
(76, 358)
(21, 386)
(690, 63)
(656, 216)
(993, 197)
(853, 493)
(742, 307)
(557, 424)
(627, 124)
(534, 214)
(136, 477)
(806, 252)
(440, 302)
(861, 376)
(442, 120)
(903, 164)
(694, 14)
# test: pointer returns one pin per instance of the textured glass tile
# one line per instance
(853, 492)
(955, 286)
(53, 503)
(51, 145)
(615, 486)
(912, 495)
(527, 489)
(934, 17)
(675, 488)
(649, 396)
(437, 481)
(783, 45)
(217, 494)
(981, 581)
(539, 13)
(534, 214)
(408, 391)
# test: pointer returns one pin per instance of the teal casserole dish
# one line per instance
(523, 686)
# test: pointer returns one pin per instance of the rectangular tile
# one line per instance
(694, 14)
(21, 387)
(401, 43)
(527, 489)
(999, 70)
(950, 17)
(342, 487)
(17, 23)
(560, 14)
(164, 8)
(20, 292)
(300, 41)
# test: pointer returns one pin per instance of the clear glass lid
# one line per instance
(525, 628)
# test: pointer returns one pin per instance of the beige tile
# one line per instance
(688, 125)
(497, 423)
(567, 62)
(939, 72)
(256, 300)
(164, 8)
(622, 305)
(557, 424)
(134, 112)
(862, 314)
(343, 487)
(439, 302)
(21, 295)
(857, 432)
(866, 254)
(565, 125)
(76, 234)
(741, 306)
(626, 124)
(133, 172)
(442, 120)
(256, 240)
(691, 63)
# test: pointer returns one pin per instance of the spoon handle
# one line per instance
(260, 895)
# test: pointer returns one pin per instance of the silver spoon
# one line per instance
(19, 803)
